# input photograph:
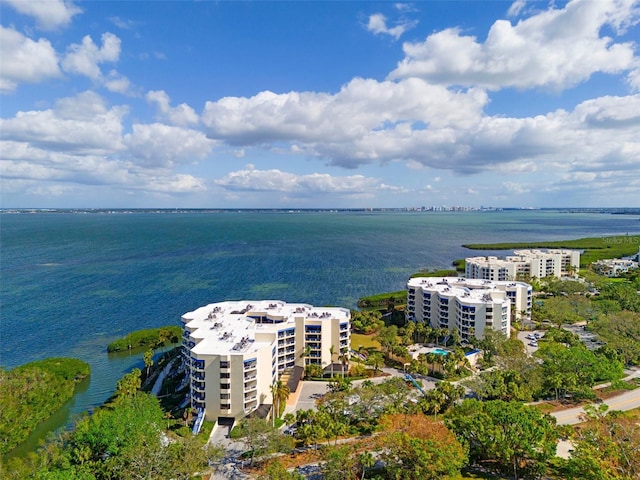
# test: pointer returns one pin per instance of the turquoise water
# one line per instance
(71, 283)
(439, 351)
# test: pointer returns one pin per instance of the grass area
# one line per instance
(366, 341)
(594, 248)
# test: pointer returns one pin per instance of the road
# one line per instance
(626, 401)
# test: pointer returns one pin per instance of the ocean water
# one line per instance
(71, 283)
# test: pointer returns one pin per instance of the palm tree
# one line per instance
(306, 351)
(147, 357)
(431, 359)
(280, 393)
(344, 359)
(375, 360)
(332, 351)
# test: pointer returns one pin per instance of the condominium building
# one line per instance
(614, 267)
(525, 264)
(471, 306)
(237, 350)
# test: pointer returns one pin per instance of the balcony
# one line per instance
(250, 376)
(250, 386)
(198, 386)
(197, 375)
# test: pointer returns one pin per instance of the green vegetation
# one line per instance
(366, 322)
(435, 273)
(621, 333)
(32, 393)
(364, 342)
(383, 300)
(507, 436)
(606, 447)
(594, 248)
(152, 338)
(128, 438)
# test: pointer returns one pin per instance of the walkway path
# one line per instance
(165, 371)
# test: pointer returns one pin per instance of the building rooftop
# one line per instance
(231, 327)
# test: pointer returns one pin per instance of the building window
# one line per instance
(224, 364)
(225, 406)
(225, 386)
(225, 375)
(225, 396)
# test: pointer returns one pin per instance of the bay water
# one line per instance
(70, 283)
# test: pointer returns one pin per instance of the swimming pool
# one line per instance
(439, 351)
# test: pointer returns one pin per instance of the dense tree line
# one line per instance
(126, 439)
(32, 393)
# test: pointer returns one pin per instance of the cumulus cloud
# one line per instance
(377, 24)
(49, 14)
(556, 48)
(81, 142)
(253, 180)
(115, 82)
(85, 58)
(355, 126)
(158, 145)
(81, 124)
(25, 60)
(182, 115)
(429, 125)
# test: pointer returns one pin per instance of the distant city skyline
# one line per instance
(319, 104)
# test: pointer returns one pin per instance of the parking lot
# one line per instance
(590, 339)
(530, 340)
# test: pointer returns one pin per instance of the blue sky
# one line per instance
(319, 104)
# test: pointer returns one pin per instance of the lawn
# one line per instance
(366, 341)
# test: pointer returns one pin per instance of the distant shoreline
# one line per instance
(440, 209)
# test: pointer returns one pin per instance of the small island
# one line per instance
(150, 338)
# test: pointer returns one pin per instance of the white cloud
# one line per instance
(182, 115)
(557, 48)
(377, 24)
(516, 8)
(49, 14)
(252, 180)
(352, 127)
(80, 141)
(158, 145)
(84, 58)
(115, 82)
(422, 124)
(515, 188)
(25, 60)
(81, 124)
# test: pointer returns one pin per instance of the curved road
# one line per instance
(626, 401)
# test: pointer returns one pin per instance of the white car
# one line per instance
(533, 344)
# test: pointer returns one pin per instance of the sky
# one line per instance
(327, 104)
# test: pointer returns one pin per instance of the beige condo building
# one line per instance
(470, 306)
(525, 264)
(235, 351)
